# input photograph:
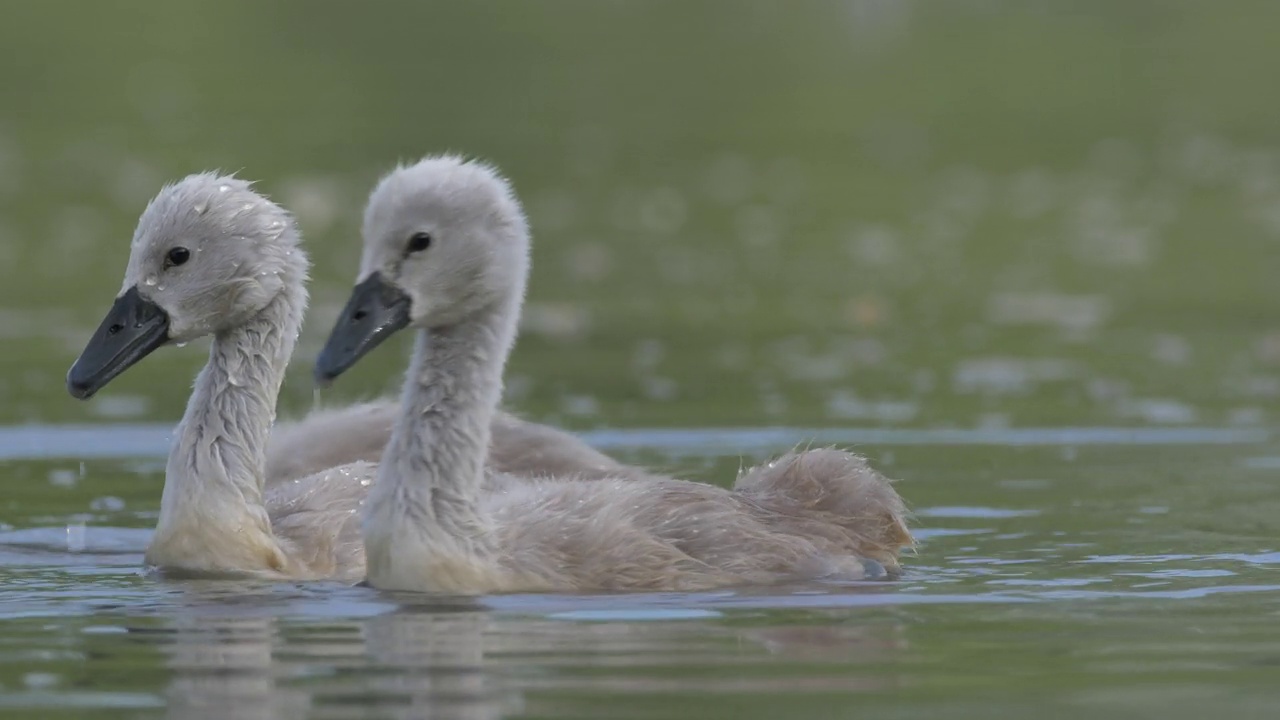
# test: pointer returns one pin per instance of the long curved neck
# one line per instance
(211, 512)
(434, 465)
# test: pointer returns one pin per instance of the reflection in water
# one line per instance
(464, 662)
(432, 665)
(405, 664)
(223, 667)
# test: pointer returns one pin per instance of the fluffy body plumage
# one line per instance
(330, 437)
(436, 520)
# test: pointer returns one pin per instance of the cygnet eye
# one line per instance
(177, 256)
(419, 242)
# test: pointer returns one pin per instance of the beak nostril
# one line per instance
(359, 315)
(115, 329)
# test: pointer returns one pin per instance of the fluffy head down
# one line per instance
(451, 234)
(211, 253)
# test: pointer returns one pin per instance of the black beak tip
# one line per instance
(132, 329)
(322, 378)
(374, 311)
(78, 388)
(326, 369)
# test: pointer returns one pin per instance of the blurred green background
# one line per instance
(977, 213)
(879, 213)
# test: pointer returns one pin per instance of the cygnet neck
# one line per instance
(213, 491)
(433, 467)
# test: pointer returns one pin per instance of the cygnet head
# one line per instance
(208, 254)
(445, 242)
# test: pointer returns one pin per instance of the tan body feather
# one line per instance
(437, 520)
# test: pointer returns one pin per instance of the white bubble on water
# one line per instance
(75, 537)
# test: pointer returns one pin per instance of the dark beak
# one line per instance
(376, 310)
(132, 329)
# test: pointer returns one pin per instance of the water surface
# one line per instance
(1098, 577)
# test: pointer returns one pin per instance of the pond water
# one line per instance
(1100, 573)
(1020, 254)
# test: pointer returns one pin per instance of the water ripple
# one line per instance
(39, 442)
